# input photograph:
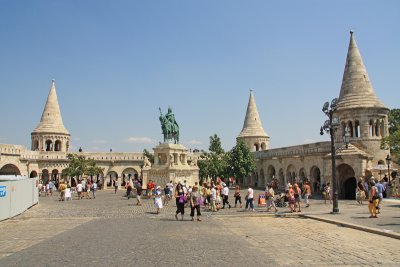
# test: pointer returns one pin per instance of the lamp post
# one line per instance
(388, 160)
(330, 126)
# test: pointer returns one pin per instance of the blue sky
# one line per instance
(116, 62)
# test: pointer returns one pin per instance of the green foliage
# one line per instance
(215, 145)
(392, 141)
(213, 164)
(241, 161)
(147, 154)
(79, 165)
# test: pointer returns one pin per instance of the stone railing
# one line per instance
(300, 150)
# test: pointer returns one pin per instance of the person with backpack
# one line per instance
(94, 189)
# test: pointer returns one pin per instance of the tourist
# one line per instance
(67, 194)
(158, 199)
(360, 191)
(307, 193)
(218, 201)
(115, 186)
(139, 191)
(194, 203)
(180, 201)
(249, 199)
(94, 189)
(380, 189)
(297, 197)
(171, 189)
(63, 186)
(51, 187)
(204, 195)
(237, 196)
(225, 196)
(166, 195)
(270, 197)
(47, 189)
(150, 188)
(213, 198)
(128, 187)
(328, 193)
(79, 189)
(88, 186)
(373, 200)
(291, 199)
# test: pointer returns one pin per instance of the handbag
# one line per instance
(200, 201)
(182, 199)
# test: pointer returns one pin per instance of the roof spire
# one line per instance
(252, 124)
(356, 90)
(51, 121)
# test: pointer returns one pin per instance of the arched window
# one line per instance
(371, 128)
(57, 145)
(377, 128)
(263, 146)
(49, 145)
(357, 129)
(351, 129)
(36, 145)
(256, 147)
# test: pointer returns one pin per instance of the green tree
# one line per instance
(392, 141)
(240, 162)
(147, 154)
(79, 165)
(213, 163)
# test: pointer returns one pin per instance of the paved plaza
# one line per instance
(112, 231)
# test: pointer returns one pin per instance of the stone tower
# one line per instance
(253, 133)
(359, 108)
(50, 134)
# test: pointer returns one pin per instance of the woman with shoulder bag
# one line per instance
(373, 201)
(180, 199)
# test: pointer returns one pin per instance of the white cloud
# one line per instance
(140, 140)
(99, 141)
(193, 142)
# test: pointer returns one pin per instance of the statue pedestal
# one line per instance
(170, 164)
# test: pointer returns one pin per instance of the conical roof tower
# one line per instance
(51, 121)
(51, 134)
(356, 90)
(253, 132)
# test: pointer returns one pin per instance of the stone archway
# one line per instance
(344, 172)
(281, 179)
(33, 174)
(45, 176)
(262, 178)
(349, 188)
(10, 169)
(315, 178)
(270, 173)
(111, 176)
(302, 175)
(290, 173)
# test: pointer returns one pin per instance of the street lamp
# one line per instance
(388, 160)
(330, 126)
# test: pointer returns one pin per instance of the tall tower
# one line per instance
(359, 108)
(50, 134)
(253, 133)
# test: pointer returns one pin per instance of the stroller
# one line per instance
(281, 200)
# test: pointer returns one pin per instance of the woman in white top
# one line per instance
(158, 199)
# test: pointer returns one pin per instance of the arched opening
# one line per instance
(302, 175)
(383, 129)
(358, 129)
(33, 174)
(291, 174)
(57, 145)
(345, 172)
(9, 169)
(256, 147)
(129, 173)
(315, 174)
(54, 175)
(371, 128)
(67, 146)
(281, 179)
(381, 162)
(262, 178)
(36, 145)
(111, 177)
(377, 128)
(351, 129)
(270, 173)
(263, 146)
(49, 145)
(45, 176)
(349, 187)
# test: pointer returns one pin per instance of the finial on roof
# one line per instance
(351, 32)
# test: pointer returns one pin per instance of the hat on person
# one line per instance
(158, 187)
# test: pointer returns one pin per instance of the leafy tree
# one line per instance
(79, 165)
(392, 141)
(240, 161)
(213, 164)
(147, 154)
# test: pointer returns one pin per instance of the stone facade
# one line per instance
(366, 118)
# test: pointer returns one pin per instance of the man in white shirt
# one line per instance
(249, 199)
(213, 198)
(79, 189)
(225, 195)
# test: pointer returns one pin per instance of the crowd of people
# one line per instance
(85, 188)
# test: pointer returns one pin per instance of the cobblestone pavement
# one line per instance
(111, 230)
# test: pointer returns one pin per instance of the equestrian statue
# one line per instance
(169, 126)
